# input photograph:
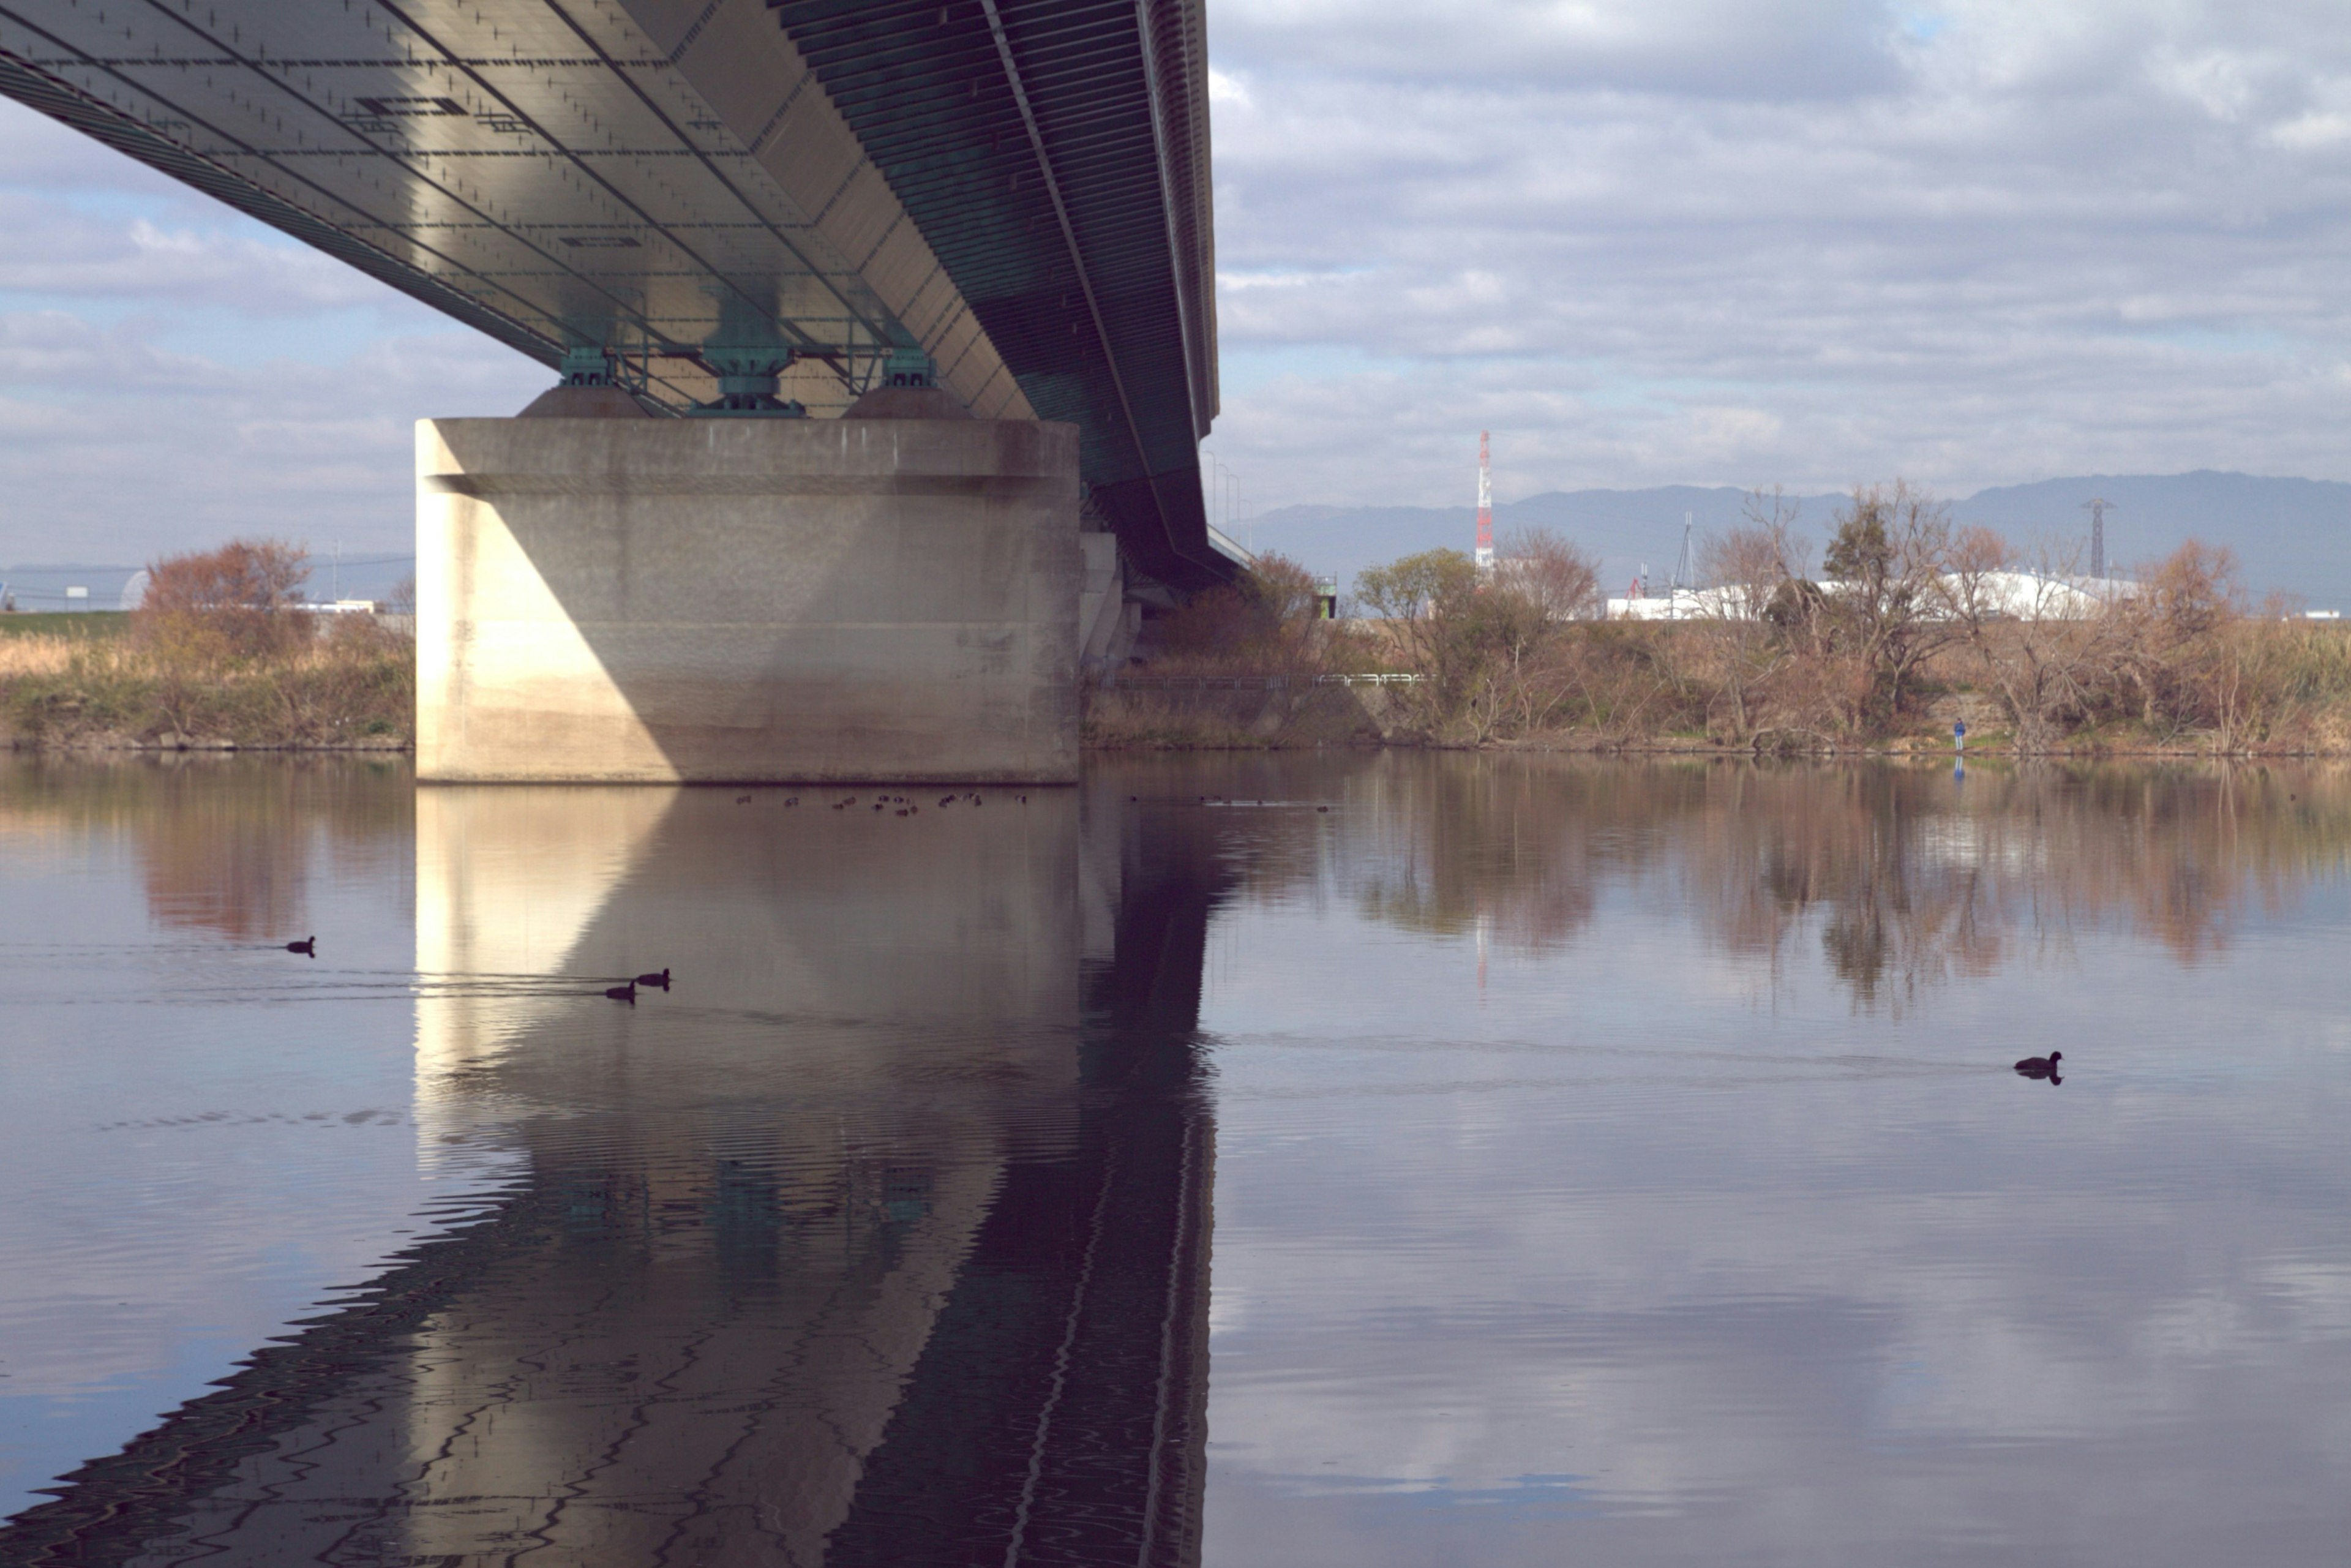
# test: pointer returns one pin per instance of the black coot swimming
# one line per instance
(2041, 1066)
(627, 993)
(660, 980)
(308, 947)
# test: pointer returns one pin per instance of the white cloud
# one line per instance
(114, 448)
(1989, 244)
(172, 374)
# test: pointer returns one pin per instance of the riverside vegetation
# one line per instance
(221, 653)
(1910, 624)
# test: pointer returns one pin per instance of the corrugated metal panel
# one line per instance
(551, 172)
(1054, 153)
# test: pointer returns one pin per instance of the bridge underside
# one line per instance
(723, 193)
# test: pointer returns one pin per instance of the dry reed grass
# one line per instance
(349, 685)
(36, 653)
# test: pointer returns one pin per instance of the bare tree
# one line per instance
(2044, 647)
(2182, 658)
(1884, 606)
(1750, 568)
(1267, 621)
(1415, 596)
(1560, 579)
(240, 601)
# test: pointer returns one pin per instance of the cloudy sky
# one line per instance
(1802, 241)
(1642, 241)
(172, 374)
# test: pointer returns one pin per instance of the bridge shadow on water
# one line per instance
(882, 1239)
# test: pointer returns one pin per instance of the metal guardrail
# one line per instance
(1113, 681)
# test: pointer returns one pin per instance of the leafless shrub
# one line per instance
(1560, 579)
(1750, 568)
(1905, 600)
(239, 602)
(1266, 622)
(2177, 661)
(2047, 651)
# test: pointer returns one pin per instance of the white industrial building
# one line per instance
(2010, 595)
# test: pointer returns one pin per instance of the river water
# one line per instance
(1320, 1159)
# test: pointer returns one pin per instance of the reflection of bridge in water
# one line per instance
(883, 1239)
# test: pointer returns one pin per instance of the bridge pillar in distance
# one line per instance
(637, 600)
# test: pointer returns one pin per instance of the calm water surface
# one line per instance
(1318, 1160)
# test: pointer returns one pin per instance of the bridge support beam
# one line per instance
(755, 599)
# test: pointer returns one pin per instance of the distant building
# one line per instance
(2025, 596)
(2008, 595)
(1682, 605)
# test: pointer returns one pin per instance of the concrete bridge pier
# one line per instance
(608, 598)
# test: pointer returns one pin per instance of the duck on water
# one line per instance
(2041, 1066)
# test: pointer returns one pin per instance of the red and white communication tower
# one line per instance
(1485, 506)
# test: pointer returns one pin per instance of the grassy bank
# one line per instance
(89, 625)
(352, 686)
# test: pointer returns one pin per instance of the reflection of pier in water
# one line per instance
(883, 1239)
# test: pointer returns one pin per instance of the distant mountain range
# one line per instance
(2292, 535)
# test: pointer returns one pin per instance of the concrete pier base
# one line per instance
(746, 600)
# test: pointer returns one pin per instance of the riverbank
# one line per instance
(350, 688)
(1151, 712)
(87, 689)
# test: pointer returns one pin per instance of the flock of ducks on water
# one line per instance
(308, 948)
(904, 806)
(2039, 1068)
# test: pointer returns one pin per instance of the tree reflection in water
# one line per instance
(1905, 878)
(225, 843)
(884, 1237)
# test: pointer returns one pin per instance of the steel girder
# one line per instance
(1055, 155)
